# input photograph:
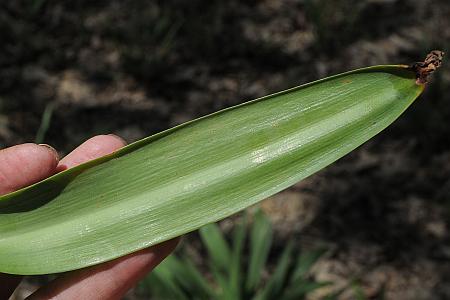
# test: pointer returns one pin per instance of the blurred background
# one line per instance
(73, 69)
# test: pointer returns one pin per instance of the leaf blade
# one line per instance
(197, 173)
(260, 243)
(217, 246)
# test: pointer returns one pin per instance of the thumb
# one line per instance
(25, 164)
(20, 166)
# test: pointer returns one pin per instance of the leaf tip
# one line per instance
(424, 69)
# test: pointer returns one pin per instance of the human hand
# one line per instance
(25, 164)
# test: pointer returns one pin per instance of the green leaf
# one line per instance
(236, 275)
(260, 242)
(45, 123)
(194, 281)
(223, 283)
(217, 246)
(202, 171)
(163, 280)
(305, 262)
(182, 275)
(177, 278)
(277, 281)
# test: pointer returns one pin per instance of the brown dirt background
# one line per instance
(134, 68)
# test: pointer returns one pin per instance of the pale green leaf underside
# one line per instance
(200, 172)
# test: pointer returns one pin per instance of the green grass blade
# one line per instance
(195, 282)
(163, 282)
(182, 275)
(217, 246)
(223, 283)
(305, 262)
(260, 242)
(274, 286)
(154, 285)
(45, 123)
(236, 275)
(202, 171)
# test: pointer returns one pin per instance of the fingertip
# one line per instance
(165, 248)
(25, 164)
(93, 148)
(46, 154)
(105, 143)
(41, 156)
(52, 153)
(119, 139)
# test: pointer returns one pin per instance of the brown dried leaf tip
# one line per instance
(424, 69)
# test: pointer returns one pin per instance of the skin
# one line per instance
(110, 280)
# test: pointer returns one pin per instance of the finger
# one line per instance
(110, 280)
(25, 164)
(20, 166)
(93, 148)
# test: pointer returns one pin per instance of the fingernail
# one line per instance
(51, 149)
